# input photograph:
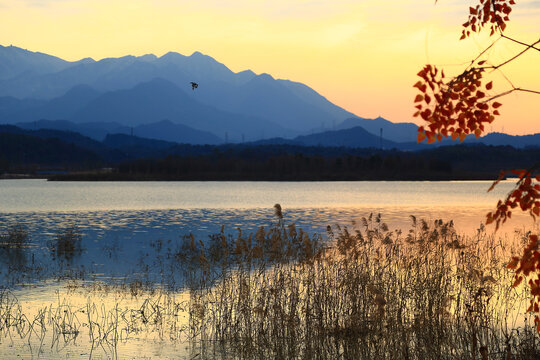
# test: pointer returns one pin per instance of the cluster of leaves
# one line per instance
(529, 266)
(455, 108)
(488, 13)
(526, 195)
(461, 107)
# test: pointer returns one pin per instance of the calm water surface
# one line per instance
(127, 216)
(43, 196)
(202, 207)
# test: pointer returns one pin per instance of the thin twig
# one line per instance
(482, 53)
(530, 46)
(521, 43)
(509, 92)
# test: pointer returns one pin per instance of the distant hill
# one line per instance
(355, 137)
(350, 154)
(113, 149)
(10, 105)
(407, 132)
(179, 133)
(26, 151)
(160, 99)
(119, 141)
(61, 108)
(94, 130)
(161, 130)
(69, 138)
(517, 141)
(396, 132)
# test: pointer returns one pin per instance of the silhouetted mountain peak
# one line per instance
(200, 58)
(148, 57)
(86, 60)
(397, 132)
(126, 57)
(265, 76)
(15, 61)
(198, 54)
(172, 55)
(246, 72)
(243, 77)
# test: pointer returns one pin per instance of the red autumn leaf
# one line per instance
(477, 133)
(513, 264)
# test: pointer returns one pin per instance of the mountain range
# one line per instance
(35, 86)
(152, 97)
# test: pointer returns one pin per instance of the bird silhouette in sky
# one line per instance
(194, 85)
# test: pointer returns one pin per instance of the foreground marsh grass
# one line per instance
(363, 292)
(368, 294)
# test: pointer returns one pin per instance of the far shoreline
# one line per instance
(117, 177)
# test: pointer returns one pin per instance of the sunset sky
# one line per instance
(361, 54)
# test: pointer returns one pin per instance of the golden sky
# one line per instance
(362, 55)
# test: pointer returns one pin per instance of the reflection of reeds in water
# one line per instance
(99, 317)
(68, 244)
(370, 294)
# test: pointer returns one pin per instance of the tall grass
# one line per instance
(370, 293)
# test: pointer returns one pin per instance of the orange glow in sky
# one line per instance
(362, 55)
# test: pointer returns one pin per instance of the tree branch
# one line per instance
(482, 53)
(521, 43)
(509, 92)
(530, 46)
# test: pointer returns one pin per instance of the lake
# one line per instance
(127, 216)
(125, 226)
(174, 208)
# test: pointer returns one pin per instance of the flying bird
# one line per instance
(194, 85)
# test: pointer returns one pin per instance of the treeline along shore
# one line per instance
(293, 163)
(63, 155)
